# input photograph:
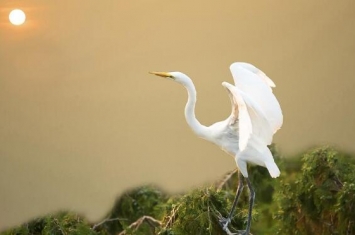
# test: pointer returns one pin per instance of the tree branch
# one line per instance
(226, 179)
(150, 221)
(104, 221)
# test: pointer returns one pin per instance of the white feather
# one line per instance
(247, 78)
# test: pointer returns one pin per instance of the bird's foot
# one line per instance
(224, 222)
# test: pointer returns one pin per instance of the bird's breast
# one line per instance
(228, 142)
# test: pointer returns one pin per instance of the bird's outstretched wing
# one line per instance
(255, 70)
(254, 105)
(250, 119)
(240, 114)
(257, 86)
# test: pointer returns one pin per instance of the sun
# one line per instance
(17, 17)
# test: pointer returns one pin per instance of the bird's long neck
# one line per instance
(191, 120)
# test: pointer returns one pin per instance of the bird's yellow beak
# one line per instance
(162, 74)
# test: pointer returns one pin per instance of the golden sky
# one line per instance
(81, 120)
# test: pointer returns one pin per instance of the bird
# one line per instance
(256, 116)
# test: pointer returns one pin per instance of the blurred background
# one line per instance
(81, 120)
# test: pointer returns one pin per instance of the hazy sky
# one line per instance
(81, 120)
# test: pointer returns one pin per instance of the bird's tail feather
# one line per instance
(273, 169)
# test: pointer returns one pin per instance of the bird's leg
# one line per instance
(251, 204)
(237, 195)
(225, 221)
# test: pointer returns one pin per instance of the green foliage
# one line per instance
(199, 212)
(58, 224)
(143, 201)
(314, 195)
(320, 200)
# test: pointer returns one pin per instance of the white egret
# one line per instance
(256, 116)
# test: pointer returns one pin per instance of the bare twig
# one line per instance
(299, 219)
(226, 179)
(60, 228)
(104, 221)
(172, 216)
(135, 225)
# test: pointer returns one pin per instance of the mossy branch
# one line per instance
(226, 178)
(95, 226)
(153, 223)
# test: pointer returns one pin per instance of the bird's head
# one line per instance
(175, 76)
